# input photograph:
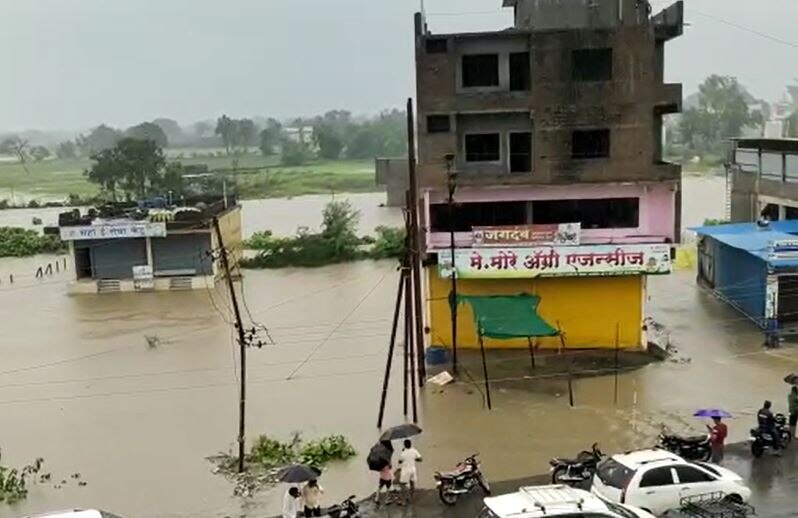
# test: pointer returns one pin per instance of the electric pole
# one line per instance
(242, 344)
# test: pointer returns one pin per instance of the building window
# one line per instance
(438, 124)
(591, 64)
(482, 147)
(480, 70)
(519, 71)
(591, 213)
(520, 152)
(469, 215)
(590, 143)
(437, 46)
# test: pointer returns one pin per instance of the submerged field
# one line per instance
(257, 176)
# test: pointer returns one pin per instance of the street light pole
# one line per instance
(452, 185)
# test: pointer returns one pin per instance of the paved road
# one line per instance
(774, 481)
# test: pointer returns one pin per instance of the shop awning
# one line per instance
(508, 316)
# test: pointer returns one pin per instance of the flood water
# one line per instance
(80, 387)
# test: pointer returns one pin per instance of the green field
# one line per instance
(257, 176)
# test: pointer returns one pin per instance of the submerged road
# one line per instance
(773, 480)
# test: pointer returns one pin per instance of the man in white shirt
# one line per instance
(291, 503)
(408, 473)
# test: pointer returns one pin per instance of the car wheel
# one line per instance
(733, 498)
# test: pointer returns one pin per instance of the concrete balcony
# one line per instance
(669, 98)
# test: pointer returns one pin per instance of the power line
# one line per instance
(327, 338)
(744, 28)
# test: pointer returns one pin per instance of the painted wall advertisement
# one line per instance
(556, 261)
(114, 231)
(519, 235)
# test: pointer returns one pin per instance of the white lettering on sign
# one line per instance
(113, 231)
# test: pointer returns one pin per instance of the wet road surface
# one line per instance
(773, 480)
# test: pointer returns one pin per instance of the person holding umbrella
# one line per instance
(295, 474)
(291, 507)
(792, 401)
(718, 432)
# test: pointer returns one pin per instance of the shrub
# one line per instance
(20, 242)
(389, 243)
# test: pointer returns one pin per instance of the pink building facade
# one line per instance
(642, 213)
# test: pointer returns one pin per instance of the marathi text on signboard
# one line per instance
(143, 277)
(548, 261)
(559, 234)
(113, 231)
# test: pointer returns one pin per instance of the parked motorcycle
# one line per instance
(463, 479)
(346, 509)
(691, 448)
(761, 441)
(574, 472)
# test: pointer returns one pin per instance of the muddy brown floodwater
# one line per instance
(80, 387)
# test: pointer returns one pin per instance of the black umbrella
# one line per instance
(403, 431)
(379, 457)
(297, 473)
(792, 379)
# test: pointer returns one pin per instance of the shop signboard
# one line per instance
(556, 261)
(143, 278)
(114, 231)
(563, 234)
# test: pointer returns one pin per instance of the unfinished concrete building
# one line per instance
(554, 121)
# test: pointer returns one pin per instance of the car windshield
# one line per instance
(708, 467)
(614, 474)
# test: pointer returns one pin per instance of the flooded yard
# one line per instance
(80, 386)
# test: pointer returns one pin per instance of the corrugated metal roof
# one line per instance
(755, 240)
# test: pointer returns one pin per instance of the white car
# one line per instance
(76, 513)
(556, 500)
(659, 481)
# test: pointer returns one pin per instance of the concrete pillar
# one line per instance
(149, 252)
(782, 212)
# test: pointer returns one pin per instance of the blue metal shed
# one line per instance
(754, 269)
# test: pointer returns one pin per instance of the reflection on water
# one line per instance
(80, 387)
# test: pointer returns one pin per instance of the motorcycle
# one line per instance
(691, 448)
(346, 509)
(574, 472)
(464, 479)
(761, 441)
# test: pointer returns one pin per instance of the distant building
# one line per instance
(149, 249)
(762, 179)
(551, 132)
(393, 174)
(300, 135)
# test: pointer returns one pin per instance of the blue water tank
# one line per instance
(437, 356)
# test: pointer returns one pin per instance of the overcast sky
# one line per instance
(72, 64)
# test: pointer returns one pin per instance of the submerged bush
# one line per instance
(336, 243)
(269, 452)
(20, 242)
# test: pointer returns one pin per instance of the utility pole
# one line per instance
(242, 344)
(415, 243)
(451, 182)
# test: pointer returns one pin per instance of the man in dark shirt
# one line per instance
(767, 424)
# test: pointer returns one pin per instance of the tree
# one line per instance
(17, 147)
(202, 128)
(270, 137)
(172, 130)
(133, 165)
(294, 152)
(148, 131)
(66, 150)
(329, 141)
(172, 180)
(226, 129)
(39, 153)
(101, 138)
(246, 132)
(791, 123)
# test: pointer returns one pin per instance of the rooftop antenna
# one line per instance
(423, 17)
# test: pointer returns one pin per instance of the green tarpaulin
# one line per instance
(507, 316)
